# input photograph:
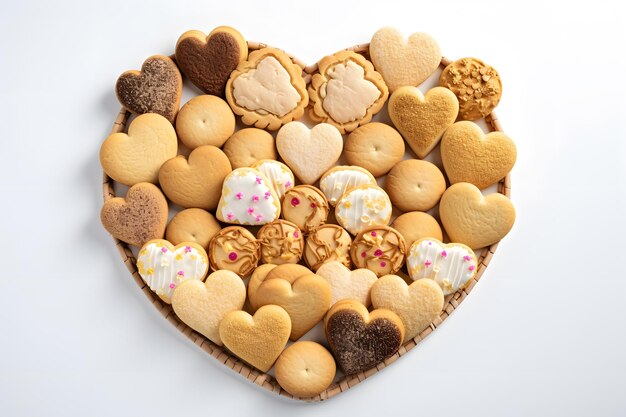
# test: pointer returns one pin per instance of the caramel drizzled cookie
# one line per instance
(236, 249)
(281, 243)
(327, 243)
(306, 206)
(381, 249)
(347, 91)
(267, 90)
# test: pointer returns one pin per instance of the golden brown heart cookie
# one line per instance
(208, 60)
(157, 88)
(359, 339)
(404, 62)
(418, 304)
(470, 155)
(267, 90)
(288, 272)
(257, 339)
(195, 181)
(202, 306)
(347, 91)
(473, 219)
(137, 218)
(422, 119)
(306, 300)
(137, 156)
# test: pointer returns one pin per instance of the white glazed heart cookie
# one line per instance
(451, 265)
(163, 266)
(279, 174)
(362, 207)
(248, 198)
(336, 181)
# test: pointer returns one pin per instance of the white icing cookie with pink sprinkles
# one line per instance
(451, 265)
(248, 198)
(279, 174)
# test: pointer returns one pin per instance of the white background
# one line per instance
(542, 334)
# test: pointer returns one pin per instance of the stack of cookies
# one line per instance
(280, 226)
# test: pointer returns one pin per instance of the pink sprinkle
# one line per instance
(378, 253)
(444, 253)
(164, 249)
(288, 184)
(471, 268)
(295, 202)
(363, 254)
(259, 217)
(313, 205)
(230, 216)
(232, 256)
(296, 234)
(430, 243)
(383, 264)
(255, 198)
(373, 233)
(258, 180)
(267, 195)
(172, 285)
(239, 196)
(251, 210)
(181, 273)
(428, 263)
(467, 258)
(187, 249)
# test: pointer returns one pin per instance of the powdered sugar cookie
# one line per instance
(380, 249)
(278, 173)
(247, 146)
(282, 242)
(164, 266)
(326, 243)
(236, 249)
(362, 207)
(336, 181)
(306, 206)
(248, 198)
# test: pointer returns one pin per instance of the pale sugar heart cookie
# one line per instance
(236, 249)
(202, 306)
(346, 284)
(164, 266)
(473, 219)
(418, 304)
(258, 339)
(267, 90)
(404, 61)
(450, 265)
(347, 91)
(136, 156)
(422, 119)
(470, 155)
(157, 88)
(279, 174)
(362, 207)
(336, 181)
(309, 152)
(248, 198)
(305, 369)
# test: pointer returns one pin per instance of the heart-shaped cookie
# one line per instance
(202, 306)
(418, 304)
(137, 156)
(422, 119)
(306, 300)
(359, 339)
(309, 152)
(473, 219)
(164, 266)
(137, 218)
(195, 181)
(451, 266)
(208, 60)
(404, 62)
(470, 155)
(346, 284)
(248, 198)
(257, 339)
(157, 88)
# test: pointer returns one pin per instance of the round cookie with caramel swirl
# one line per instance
(281, 243)
(306, 206)
(236, 249)
(380, 248)
(326, 243)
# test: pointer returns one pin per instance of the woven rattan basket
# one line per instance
(222, 354)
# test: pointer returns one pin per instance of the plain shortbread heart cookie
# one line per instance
(309, 152)
(346, 284)
(473, 219)
(202, 306)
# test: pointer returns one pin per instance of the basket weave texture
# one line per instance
(222, 354)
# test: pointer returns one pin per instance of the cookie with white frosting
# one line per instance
(337, 180)
(362, 207)
(279, 174)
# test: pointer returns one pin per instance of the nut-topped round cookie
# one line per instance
(364, 206)
(281, 243)
(380, 248)
(327, 243)
(236, 249)
(306, 206)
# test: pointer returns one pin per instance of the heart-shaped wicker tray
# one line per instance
(222, 354)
